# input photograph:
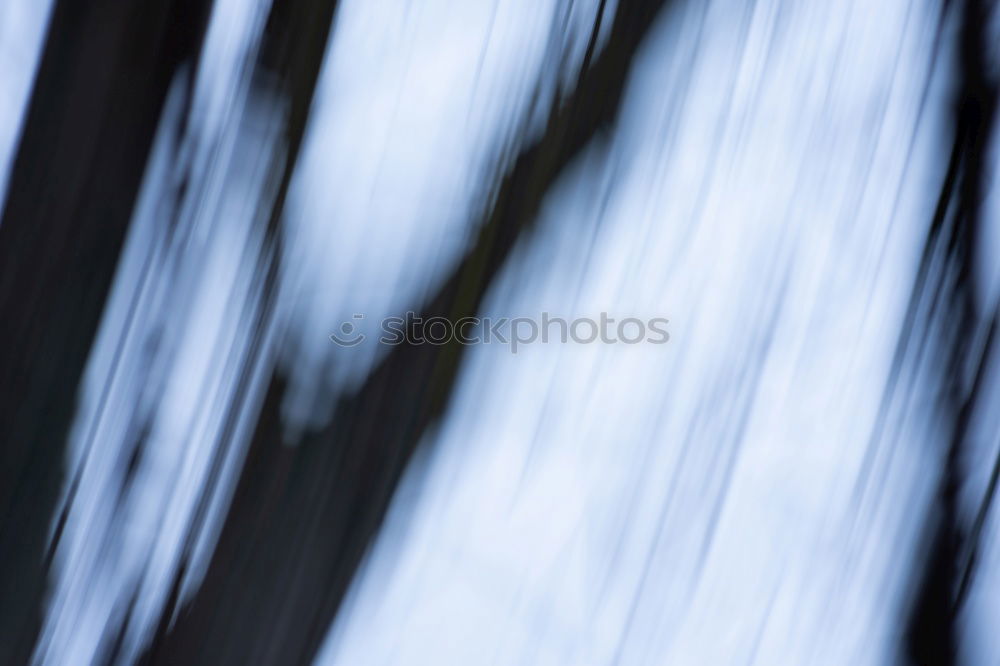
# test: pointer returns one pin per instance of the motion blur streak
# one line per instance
(417, 106)
(173, 353)
(604, 504)
(202, 191)
(22, 29)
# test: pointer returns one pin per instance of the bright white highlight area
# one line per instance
(720, 499)
(418, 106)
(743, 494)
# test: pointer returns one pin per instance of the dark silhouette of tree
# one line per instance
(959, 326)
(94, 109)
(302, 516)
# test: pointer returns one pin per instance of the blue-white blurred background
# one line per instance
(198, 193)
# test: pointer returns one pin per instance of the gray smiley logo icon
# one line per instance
(348, 336)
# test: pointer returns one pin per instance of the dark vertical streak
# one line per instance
(289, 62)
(968, 564)
(931, 636)
(302, 517)
(100, 87)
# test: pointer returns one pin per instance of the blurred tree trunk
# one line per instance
(302, 517)
(100, 87)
